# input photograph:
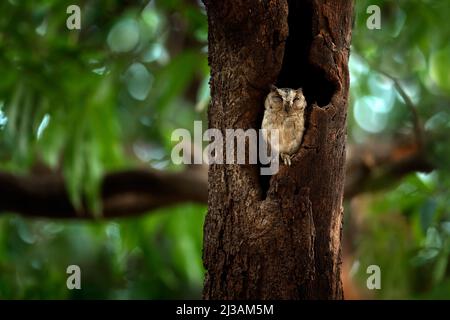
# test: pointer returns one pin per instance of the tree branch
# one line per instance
(417, 124)
(369, 168)
(123, 194)
(375, 166)
(418, 129)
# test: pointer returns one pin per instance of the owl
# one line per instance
(285, 112)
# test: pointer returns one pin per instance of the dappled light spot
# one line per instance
(428, 179)
(160, 165)
(156, 52)
(3, 117)
(412, 89)
(439, 68)
(151, 19)
(138, 81)
(124, 36)
(357, 68)
(43, 125)
(42, 28)
(371, 113)
(100, 70)
(148, 152)
(382, 87)
(438, 121)
(24, 232)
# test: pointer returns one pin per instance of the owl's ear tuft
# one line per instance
(273, 88)
(299, 90)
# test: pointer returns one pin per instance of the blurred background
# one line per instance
(107, 97)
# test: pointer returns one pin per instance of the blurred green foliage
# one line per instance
(405, 228)
(108, 96)
(86, 102)
(153, 257)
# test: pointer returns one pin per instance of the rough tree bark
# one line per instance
(278, 239)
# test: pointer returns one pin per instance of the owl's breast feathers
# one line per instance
(290, 131)
(291, 134)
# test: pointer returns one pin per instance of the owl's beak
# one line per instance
(287, 107)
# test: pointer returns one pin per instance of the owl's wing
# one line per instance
(268, 125)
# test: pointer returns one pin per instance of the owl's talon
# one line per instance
(286, 159)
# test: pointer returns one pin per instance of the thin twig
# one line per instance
(417, 124)
(408, 102)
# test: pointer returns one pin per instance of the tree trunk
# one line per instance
(278, 239)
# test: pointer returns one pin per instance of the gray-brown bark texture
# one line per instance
(278, 239)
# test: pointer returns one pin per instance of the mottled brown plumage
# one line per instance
(284, 111)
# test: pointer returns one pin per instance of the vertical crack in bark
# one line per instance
(298, 69)
(303, 66)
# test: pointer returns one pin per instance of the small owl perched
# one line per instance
(285, 111)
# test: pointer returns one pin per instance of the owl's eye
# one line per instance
(296, 99)
(276, 99)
